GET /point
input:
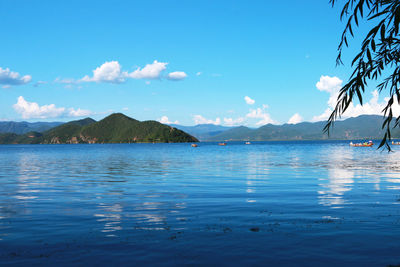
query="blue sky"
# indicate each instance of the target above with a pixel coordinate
(185, 61)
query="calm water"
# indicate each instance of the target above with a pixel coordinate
(293, 204)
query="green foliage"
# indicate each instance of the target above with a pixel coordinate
(380, 51)
(66, 131)
(28, 138)
(116, 128)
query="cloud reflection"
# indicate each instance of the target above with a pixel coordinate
(340, 179)
(257, 169)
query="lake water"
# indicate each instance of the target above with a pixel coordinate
(277, 203)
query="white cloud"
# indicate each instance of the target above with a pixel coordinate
(176, 75)
(199, 73)
(249, 101)
(111, 72)
(329, 84)
(234, 122)
(259, 113)
(165, 120)
(108, 72)
(198, 119)
(332, 85)
(150, 71)
(32, 110)
(78, 112)
(9, 78)
(296, 118)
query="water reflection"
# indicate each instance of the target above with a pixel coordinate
(391, 174)
(28, 179)
(156, 215)
(131, 195)
(340, 178)
(257, 168)
(111, 216)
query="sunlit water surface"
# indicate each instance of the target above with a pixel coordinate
(278, 203)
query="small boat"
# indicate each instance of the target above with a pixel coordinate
(365, 144)
(395, 143)
(222, 144)
(247, 143)
(194, 145)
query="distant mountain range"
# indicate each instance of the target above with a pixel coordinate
(362, 127)
(116, 128)
(25, 127)
(203, 132)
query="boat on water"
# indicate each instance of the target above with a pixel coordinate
(365, 144)
(247, 143)
(194, 145)
(395, 143)
(222, 144)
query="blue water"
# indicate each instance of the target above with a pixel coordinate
(277, 203)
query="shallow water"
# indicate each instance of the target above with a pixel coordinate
(276, 203)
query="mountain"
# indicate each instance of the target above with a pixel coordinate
(116, 128)
(66, 133)
(362, 127)
(202, 131)
(25, 127)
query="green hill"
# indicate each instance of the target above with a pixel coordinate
(116, 128)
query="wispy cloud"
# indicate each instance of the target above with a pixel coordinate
(234, 122)
(10, 78)
(38, 83)
(198, 119)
